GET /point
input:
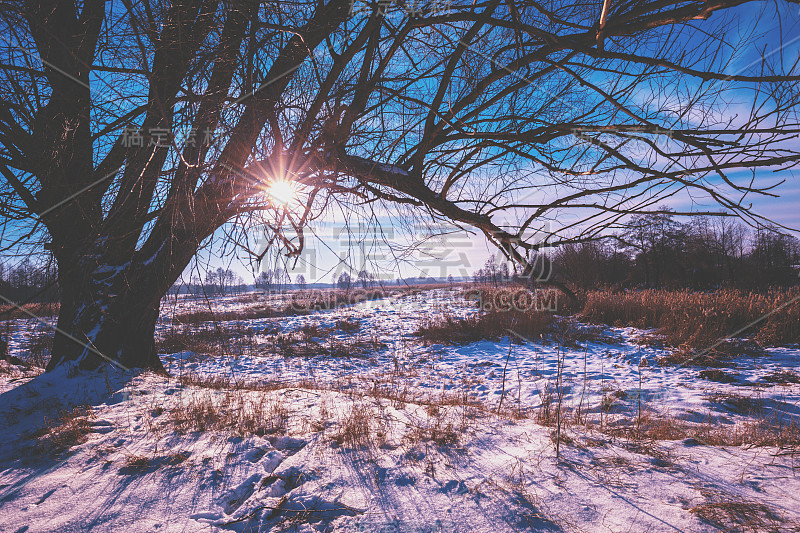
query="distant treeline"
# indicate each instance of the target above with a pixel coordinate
(658, 251)
(28, 282)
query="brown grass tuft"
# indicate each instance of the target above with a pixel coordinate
(732, 513)
(234, 411)
(67, 429)
(348, 326)
(357, 429)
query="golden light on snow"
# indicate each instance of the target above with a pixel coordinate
(281, 192)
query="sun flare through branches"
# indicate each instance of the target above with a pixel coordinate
(282, 192)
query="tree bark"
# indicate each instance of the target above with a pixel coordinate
(109, 319)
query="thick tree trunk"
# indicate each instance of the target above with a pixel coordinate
(109, 316)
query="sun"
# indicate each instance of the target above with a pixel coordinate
(281, 192)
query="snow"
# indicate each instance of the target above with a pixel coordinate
(498, 472)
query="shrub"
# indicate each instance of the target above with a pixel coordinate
(348, 326)
(39, 349)
(356, 429)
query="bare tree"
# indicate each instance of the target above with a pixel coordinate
(344, 281)
(265, 280)
(366, 279)
(132, 131)
(220, 281)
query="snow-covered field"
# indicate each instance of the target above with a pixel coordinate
(401, 435)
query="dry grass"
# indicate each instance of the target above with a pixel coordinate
(491, 325)
(515, 297)
(569, 332)
(221, 383)
(735, 514)
(449, 414)
(715, 374)
(304, 343)
(359, 428)
(716, 355)
(546, 415)
(310, 331)
(442, 427)
(782, 377)
(531, 325)
(610, 398)
(758, 430)
(698, 319)
(375, 390)
(135, 464)
(234, 411)
(45, 309)
(206, 340)
(208, 315)
(348, 326)
(39, 348)
(67, 429)
(140, 464)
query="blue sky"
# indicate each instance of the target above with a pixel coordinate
(460, 254)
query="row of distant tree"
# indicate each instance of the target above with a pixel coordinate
(277, 279)
(226, 282)
(661, 251)
(219, 282)
(28, 281)
(364, 279)
(658, 251)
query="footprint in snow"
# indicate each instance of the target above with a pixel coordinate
(102, 426)
(403, 480)
(459, 487)
(288, 445)
(234, 498)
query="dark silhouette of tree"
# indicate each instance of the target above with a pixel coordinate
(131, 132)
(265, 280)
(344, 281)
(301, 282)
(702, 253)
(366, 279)
(220, 281)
